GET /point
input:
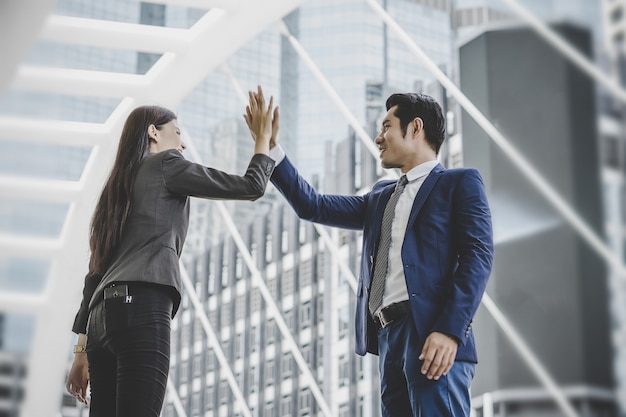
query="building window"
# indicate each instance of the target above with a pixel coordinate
(225, 267)
(343, 410)
(268, 248)
(284, 244)
(184, 370)
(272, 287)
(255, 300)
(289, 321)
(286, 366)
(210, 361)
(617, 15)
(223, 393)
(305, 315)
(304, 403)
(360, 367)
(270, 332)
(254, 378)
(208, 398)
(195, 403)
(253, 338)
(287, 283)
(344, 371)
(306, 273)
(238, 345)
(238, 266)
(253, 251)
(307, 353)
(285, 406)
(240, 307)
(302, 226)
(611, 152)
(344, 322)
(270, 369)
(320, 352)
(197, 365)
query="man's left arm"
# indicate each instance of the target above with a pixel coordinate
(473, 239)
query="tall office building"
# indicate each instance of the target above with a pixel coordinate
(549, 99)
(613, 133)
(605, 21)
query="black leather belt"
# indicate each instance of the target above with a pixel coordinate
(392, 312)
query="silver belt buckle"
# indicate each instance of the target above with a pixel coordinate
(381, 319)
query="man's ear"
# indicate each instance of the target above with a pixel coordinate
(417, 125)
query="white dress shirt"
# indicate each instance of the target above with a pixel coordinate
(395, 285)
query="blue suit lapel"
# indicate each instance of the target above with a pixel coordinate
(383, 199)
(424, 191)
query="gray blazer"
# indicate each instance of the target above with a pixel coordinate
(157, 224)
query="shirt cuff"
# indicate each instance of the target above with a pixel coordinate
(277, 154)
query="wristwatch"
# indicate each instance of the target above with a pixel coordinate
(79, 349)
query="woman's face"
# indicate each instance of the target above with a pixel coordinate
(167, 137)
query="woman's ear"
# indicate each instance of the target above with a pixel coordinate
(152, 133)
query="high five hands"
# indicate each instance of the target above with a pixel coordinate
(261, 121)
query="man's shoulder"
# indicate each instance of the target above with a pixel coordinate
(381, 184)
(460, 172)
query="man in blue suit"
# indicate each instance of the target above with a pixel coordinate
(427, 254)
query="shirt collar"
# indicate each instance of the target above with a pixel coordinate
(421, 170)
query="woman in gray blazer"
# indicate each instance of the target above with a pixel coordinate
(133, 287)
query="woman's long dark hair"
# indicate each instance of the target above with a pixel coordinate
(109, 218)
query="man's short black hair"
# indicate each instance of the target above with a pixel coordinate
(412, 105)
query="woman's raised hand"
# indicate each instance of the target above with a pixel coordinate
(260, 121)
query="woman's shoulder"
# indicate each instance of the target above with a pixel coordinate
(165, 155)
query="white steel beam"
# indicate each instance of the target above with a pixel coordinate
(80, 82)
(39, 190)
(64, 286)
(115, 35)
(53, 131)
(229, 5)
(35, 247)
(20, 22)
(14, 302)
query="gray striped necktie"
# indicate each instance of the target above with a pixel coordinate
(381, 262)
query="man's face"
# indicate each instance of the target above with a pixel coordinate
(396, 150)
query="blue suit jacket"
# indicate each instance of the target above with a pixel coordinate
(447, 250)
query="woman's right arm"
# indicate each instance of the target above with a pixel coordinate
(80, 321)
(78, 378)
